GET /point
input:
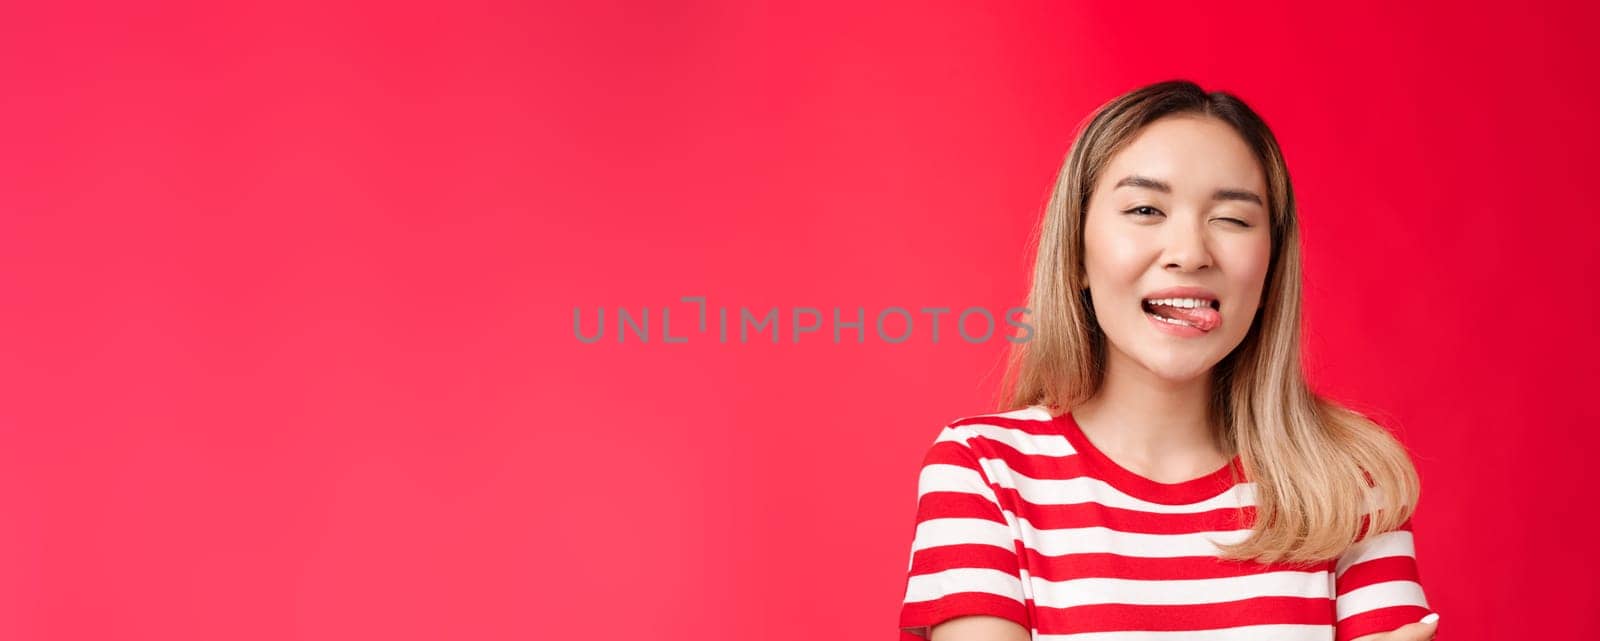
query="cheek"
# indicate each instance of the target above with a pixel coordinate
(1248, 265)
(1113, 257)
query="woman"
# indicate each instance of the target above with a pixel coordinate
(1162, 470)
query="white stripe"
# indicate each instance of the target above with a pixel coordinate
(1096, 591)
(943, 477)
(1104, 540)
(936, 585)
(1036, 444)
(1276, 632)
(1030, 413)
(1064, 541)
(934, 533)
(1087, 489)
(1380, 595)
(1394, 543)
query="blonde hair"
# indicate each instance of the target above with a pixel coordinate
(1316, 464)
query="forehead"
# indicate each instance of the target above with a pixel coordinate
(1194, 154)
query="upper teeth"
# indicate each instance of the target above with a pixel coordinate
(1180, 302)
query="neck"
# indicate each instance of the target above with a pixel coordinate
(1152, 422)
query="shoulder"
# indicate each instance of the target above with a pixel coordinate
(1029, 430)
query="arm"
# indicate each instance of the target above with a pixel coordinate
(1420, 631)
(964, 579)
(979, 628)
(1379, 589)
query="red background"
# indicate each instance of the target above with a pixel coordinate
(288, 292)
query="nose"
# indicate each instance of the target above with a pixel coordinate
(1186, 249)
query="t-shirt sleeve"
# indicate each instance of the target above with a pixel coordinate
(963, 553)
(1378, 586)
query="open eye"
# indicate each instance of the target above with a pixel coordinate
(1143, 210)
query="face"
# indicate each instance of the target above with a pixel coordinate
(1182, 205)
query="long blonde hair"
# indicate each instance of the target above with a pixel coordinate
(1325, 475)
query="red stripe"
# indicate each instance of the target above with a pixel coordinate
(1058, 516)
(1389, 568)
(957, 505)
(1380, 620)
(1116, 617)
(1038, 428)
(1054, 516)
(943, 609)
(1102, 565)
(1044, 466)
(970, 555)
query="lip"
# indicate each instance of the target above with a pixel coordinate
(1179, 292)
(1175, 330)
(1182, 292)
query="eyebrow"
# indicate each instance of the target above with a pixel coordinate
(1221, 194)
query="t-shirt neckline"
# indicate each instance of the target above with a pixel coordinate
(1190, 491)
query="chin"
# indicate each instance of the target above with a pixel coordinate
(1179, 372)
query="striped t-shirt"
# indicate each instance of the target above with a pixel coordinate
(1020, 516)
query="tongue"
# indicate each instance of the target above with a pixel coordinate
(1203, 318)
